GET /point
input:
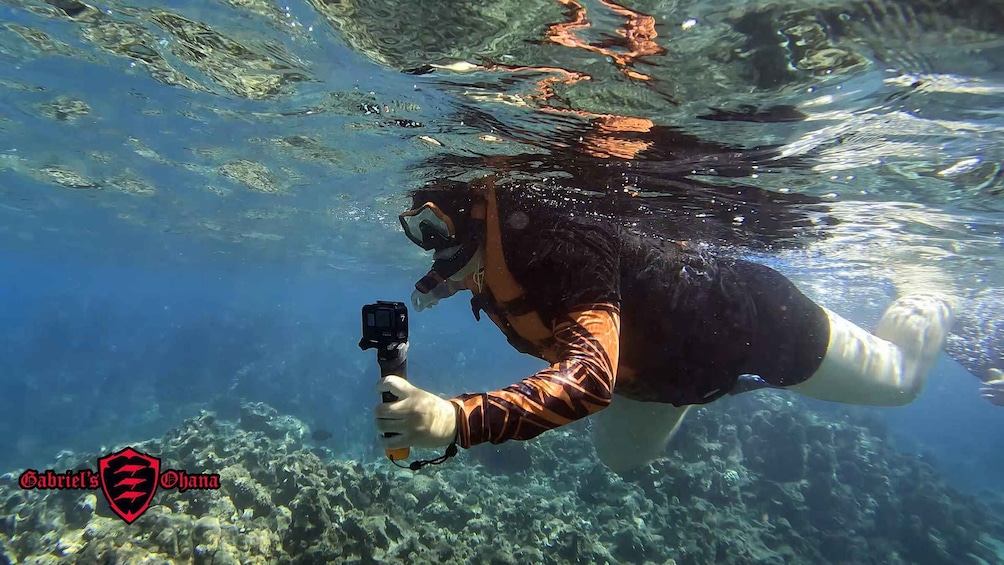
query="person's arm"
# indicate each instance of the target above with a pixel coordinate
(580, 384)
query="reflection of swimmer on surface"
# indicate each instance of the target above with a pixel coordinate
(636, 329)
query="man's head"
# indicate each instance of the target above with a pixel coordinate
(441, 219)
(440, 216)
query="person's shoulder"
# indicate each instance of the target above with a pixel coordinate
(564, 236)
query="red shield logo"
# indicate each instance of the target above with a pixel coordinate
(129, 479)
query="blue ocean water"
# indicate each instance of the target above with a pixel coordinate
(98, 355)
(213, 247)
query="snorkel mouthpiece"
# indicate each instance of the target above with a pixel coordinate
(426, 284)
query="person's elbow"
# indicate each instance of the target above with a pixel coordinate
(594, 380)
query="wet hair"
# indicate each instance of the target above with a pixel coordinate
(453, 197)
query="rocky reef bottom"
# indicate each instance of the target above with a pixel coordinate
(758, 480)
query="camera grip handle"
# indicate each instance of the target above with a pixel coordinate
(397, 366)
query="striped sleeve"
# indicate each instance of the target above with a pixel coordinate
(580, 384)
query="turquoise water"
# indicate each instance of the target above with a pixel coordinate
(197, 197)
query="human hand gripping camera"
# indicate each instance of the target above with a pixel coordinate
(408, 416)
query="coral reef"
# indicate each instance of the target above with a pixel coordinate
(756, 480)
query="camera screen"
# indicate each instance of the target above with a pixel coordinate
(383, 319)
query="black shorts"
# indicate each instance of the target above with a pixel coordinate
(691, 325)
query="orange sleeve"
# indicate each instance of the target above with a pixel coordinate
(580, 384)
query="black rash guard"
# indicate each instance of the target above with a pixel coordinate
(647, 319)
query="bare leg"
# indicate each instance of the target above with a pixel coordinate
(629, 434)
(889, 368)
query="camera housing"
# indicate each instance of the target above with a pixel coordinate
(385, 325)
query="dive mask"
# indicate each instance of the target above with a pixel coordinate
(428, 227)
(455, 239)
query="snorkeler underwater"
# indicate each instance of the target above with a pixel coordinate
(640, 282)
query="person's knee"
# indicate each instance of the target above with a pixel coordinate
(902, 396)
(622, 456)
(615, 461)
(630, 434)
